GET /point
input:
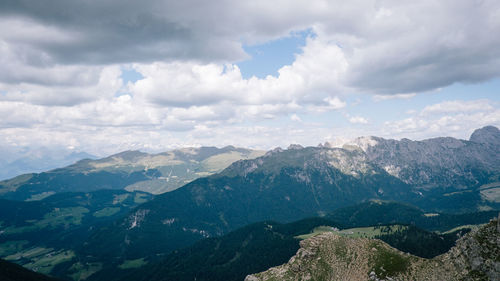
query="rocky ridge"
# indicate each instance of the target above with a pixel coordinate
(437, 162)
(329, 256)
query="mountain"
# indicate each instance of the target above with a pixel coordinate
(378, 212)
(14, 162)
(259, 246)
(486, 135)
(452, 169)
(129, 170)
(252, 248)
(330, 256)
(287, 185)
(281, 186)
(43, 234)
(13, 272)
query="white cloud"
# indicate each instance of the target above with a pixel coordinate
(60, 75)
(378, 98)
(90, 83)
(310, 80)
(358, 120)
(458, 106)
(295, 118)
(448, 118)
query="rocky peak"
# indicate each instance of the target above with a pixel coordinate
(295, 146)
(488, 134)
(364, 142)
(329, 256)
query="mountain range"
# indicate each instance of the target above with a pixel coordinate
(189, 195)
(128, 170)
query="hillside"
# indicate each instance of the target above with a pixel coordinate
(44, 234)
(13, 272)
(329, 256)
(129, 170)
(252, 248)
(377, 212)
(259, 246)
(287, 185)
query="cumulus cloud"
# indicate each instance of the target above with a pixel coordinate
(61, 62)
(388, 47)
(458, 106)
(358, 120)
(378, 98)
(449, 118)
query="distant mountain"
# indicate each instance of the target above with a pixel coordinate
(439, 162)
(282, 186)
(16, 163)
(330, 256)
(13, 272)
(287, 185)
(437, 175)
(129, 170)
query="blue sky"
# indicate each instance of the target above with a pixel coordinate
(114, 76)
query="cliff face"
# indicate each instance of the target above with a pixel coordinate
(329, 256)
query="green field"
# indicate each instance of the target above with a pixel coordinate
(140, 198)
(365, 232)
(63, 216)
(81, 271)
(133, 263)
(316, 231)
(41, 259)
(118, 199)
(371, 231)
(106, 212)
(12, 247)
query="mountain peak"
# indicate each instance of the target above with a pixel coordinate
(488, 134)
(294, 146)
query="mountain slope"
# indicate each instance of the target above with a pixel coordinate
(43, 234)
(13, 272)
(329, 256)
(259, 246)
(129, 170)
(281, 186)
(377, 212)
(252, 248)
(439, 162)
(287, 185)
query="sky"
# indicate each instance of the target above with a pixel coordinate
(111, 75)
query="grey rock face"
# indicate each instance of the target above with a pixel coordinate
(488, 134)
(438, 162)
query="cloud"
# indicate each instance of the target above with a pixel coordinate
(295, 118)
(61, 63)
(388, 47)
(309, 80)
(107, 84)
(458, 106)
(449, 118)
(378, 98)
(358, 120)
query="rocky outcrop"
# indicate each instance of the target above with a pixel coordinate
(488, 134)
(438, 162)
(329, 256)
